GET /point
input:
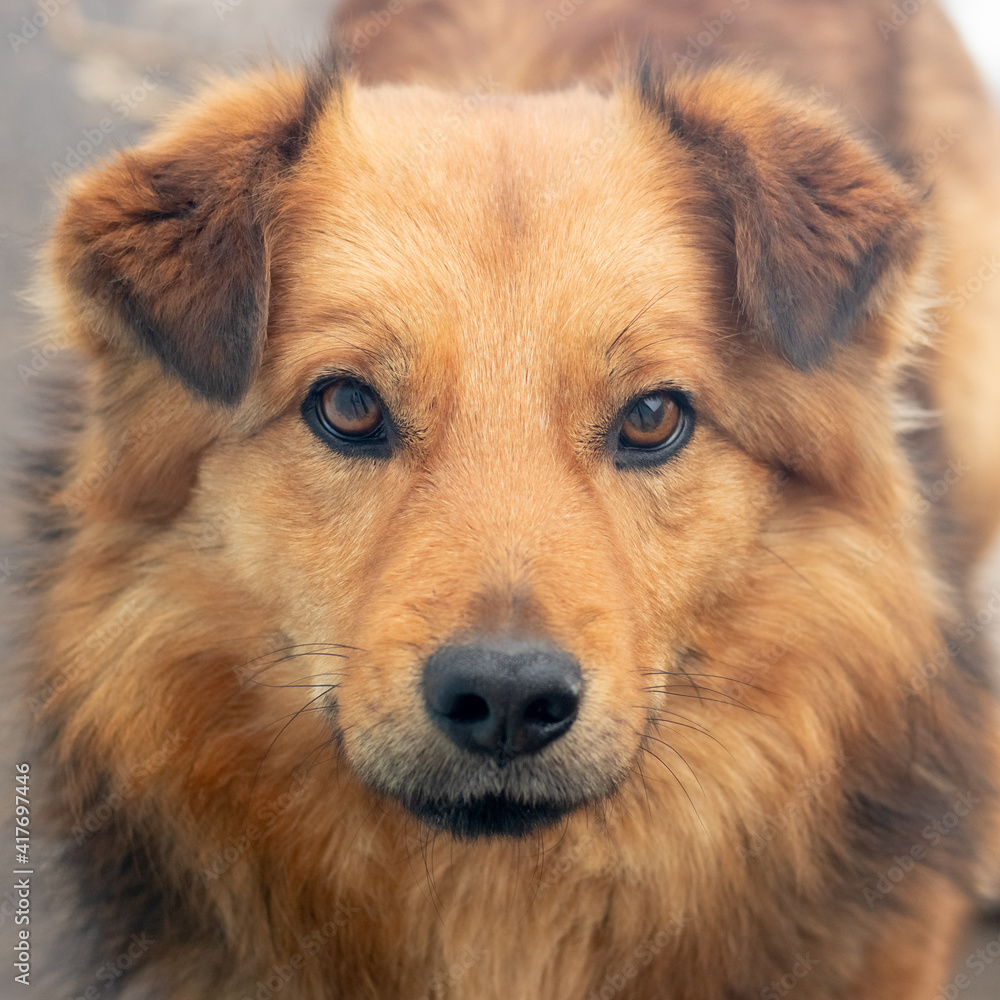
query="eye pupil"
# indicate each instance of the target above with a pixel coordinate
(351, 408)
(648, 414)
(356, 406)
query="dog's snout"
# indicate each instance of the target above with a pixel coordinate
(503, 699)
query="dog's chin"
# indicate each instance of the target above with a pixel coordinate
(472, 797)
(489, 816)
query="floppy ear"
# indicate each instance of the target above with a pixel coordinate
(822, 230)
(164, 250)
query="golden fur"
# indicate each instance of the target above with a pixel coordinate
(783, 698)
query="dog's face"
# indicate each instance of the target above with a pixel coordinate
(510, 402)
(496, 458)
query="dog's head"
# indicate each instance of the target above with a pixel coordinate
(515, 403)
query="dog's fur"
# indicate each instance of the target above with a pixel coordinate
(780, 772)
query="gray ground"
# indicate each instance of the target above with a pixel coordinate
(120, 62)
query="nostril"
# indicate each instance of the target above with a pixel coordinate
(468, 708)
(549, 711)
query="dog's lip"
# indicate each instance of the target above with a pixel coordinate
(489, 816)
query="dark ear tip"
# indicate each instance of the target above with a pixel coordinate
(799, 335)
(806, 355)
(212, 345)
(806, 352)
(222, 381)
(225, 392)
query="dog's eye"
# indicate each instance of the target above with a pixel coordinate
(653, 428)
(351, 409)
(650, 422)
(348, 415)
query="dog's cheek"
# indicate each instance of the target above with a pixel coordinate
(279, 516)
(690, 533)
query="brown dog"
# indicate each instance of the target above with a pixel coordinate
(509, 551)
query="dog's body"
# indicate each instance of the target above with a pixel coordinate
(764, 751)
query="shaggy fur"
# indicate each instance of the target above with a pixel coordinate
(779, 776)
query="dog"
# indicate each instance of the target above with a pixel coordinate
(517, 533)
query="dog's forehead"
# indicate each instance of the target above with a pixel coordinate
(499, 218)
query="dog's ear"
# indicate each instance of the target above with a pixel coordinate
(164, 250)
(822, 230)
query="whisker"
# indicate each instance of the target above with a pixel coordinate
(812, 586)
(326, 744)
(691, 673)
(292, 716)
(686, 721)
(280, 687)
(645, 789)
(283, 659)
(675, 719)
(303, 645)
(697, 729)
(267, 752)
(733, 703)
(678, 780)
(684, 761)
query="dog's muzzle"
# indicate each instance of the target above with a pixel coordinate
(503, 699)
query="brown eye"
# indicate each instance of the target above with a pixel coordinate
(351, 409)
(651, 422)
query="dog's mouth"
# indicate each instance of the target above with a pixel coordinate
(506, 746)
(488, 816)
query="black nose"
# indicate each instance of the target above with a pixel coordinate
(504, 697)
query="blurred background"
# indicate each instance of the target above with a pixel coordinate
(93, 73)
